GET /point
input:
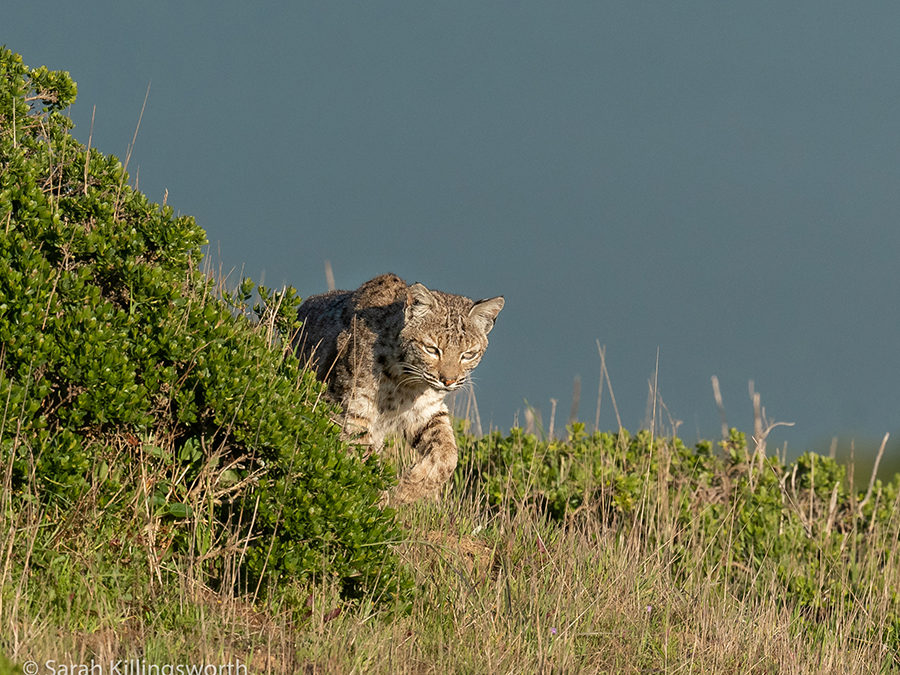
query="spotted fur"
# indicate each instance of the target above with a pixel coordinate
(389, 353)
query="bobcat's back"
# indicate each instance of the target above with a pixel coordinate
(372, 311)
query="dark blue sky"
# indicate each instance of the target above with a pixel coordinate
(717, 181)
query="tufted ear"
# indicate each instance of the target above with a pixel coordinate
(419, 301)
(485, 312)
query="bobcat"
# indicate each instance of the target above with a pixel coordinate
(389, 353)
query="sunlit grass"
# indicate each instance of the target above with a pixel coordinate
(498, 590)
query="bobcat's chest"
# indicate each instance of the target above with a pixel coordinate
(405, 411)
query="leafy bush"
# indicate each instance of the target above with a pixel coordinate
(129, 385)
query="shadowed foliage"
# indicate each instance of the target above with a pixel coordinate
(131, 387)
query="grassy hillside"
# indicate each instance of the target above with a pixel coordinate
(153, 426)
(604, 553)
(173, 492)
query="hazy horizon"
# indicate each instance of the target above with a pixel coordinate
(712, 184)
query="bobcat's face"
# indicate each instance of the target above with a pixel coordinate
(442, 364)
(444, 337)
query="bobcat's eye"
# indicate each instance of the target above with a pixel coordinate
(431, 350)
(468, 356)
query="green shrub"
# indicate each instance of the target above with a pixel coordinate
(7, 667)
(793, 534)
(127, 378)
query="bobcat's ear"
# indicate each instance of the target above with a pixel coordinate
(485, 312)
(419, 301)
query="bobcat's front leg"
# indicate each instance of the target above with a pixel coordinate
(356, 423)
(434, 441)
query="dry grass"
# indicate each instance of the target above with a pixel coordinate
(498, 593)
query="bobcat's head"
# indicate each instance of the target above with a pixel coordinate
(444, 336)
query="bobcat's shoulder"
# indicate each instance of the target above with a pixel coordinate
(382, 291)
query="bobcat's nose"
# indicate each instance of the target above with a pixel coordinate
(448, 381)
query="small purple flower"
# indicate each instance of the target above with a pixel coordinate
(552, 631)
